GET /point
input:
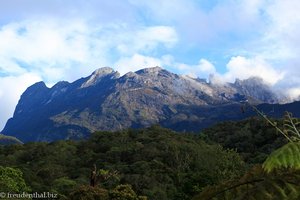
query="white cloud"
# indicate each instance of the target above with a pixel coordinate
(69, 49)
(136, 62)
(279, 43)
(243, 68)
(206, 67)
(280, 40)
(285, 16)
(65, 41)
(47, 46)
(11, 88)
(203, 69)
(207, 26)
(54, 48)
(146, 39)
(264, 32)
(294, 93)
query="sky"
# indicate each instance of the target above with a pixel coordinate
(55, 40)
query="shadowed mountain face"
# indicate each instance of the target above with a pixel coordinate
(106, 101)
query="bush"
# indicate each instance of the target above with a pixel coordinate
(89, 193)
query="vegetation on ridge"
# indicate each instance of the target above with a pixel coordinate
(5, 140)
(277, 178)
(231, 160)
(156, 162)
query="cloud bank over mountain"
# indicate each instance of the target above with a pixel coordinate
(55, 40)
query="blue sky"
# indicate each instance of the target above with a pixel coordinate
(53, 40)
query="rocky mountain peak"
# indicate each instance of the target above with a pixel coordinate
(35, 88)
(38, 85)
(60, 84)
(105, 101)
(98, 74)
(103, 71)
(254, 80)
(130, 75)
(151, 70)
(257, 89)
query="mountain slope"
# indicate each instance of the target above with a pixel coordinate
(7, 140)
(106, 101)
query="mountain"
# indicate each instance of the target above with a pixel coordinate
(254, 87)
(107, 101)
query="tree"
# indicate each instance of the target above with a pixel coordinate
(124, 192)
(11, 180)
(89, 193)
(63, 186)
(278, 177)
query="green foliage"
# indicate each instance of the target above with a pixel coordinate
(283, 171)
(256, 184)
(108, 179)
(124, 192)
(158, 163)
(291, 127)
(63, 186)
(254, 139)
(287, 156)
(89, 193)
(121, 192)
(11, 180)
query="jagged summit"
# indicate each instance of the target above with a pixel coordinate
(95, 77)
(35, 88)
(60, 84)
(103, 71)
(251, 80)
(257, 89)
(40, 84)
(106, 101)
(155, 70)
(129, 74)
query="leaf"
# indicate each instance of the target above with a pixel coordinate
(287, 156)
(256, 184)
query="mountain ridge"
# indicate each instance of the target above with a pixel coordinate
(107, 101)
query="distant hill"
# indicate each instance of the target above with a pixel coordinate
(107, 101)
(6, 140)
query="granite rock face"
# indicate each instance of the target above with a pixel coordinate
(106, 101)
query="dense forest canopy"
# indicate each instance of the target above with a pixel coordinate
(152, 163)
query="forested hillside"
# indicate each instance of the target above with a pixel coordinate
(156, 162)
(254, 139)
(153, 163)
(272, 156)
